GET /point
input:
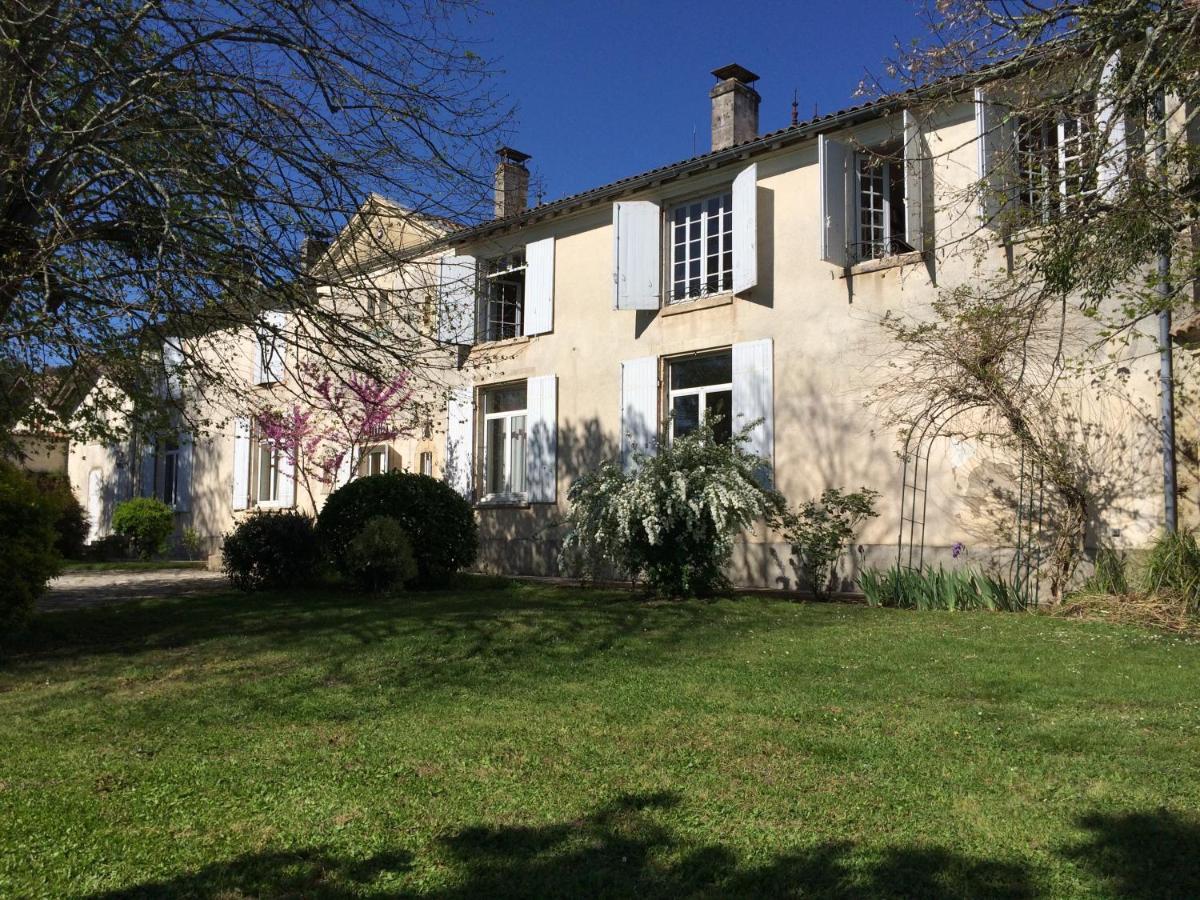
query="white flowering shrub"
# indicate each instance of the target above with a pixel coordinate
(672, 522)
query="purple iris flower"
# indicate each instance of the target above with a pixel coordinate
(958, 549)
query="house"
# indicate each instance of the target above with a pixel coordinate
(742, 286)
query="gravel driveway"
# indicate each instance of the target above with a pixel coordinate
(79, 589)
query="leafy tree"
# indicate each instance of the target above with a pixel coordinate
(168, 168)
(820, 530)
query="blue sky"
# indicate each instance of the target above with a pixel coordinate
(609, 89)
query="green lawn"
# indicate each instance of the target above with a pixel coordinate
(132, 565)
(534, 741)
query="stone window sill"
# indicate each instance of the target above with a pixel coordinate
(687, 306)
(506, 342)
(888, 262)
(503, 502)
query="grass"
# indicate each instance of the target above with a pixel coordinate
(132, 565)
(532, 741)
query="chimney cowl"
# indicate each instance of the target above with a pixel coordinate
(734, 106)
(511, 194)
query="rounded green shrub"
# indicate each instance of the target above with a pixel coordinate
(270, 550)
(147, 522)
(380, 556)
(440, 523)
(28, 557)
(70, 520)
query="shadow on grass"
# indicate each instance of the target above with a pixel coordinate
(624, 850)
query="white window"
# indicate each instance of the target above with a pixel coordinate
(1052, 166)
(169, 481)
(268, 473)
(377, 461)
(879, 189)
(427, 463)
(269, 349)
(701, 247)
(700, 390)
(504, 440)
(504, 297)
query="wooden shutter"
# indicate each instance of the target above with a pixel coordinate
(172, 364)
(996, 146)
(539, 286)
(636, 254)
(918, 184)
(460, 415)
(149, 465)
(183, 474)
(1113, 128)
(287, 478)
(456, 300)
(745, 229)
(834, 160)
(274, 366)
(754, 397)
(241, 463)
(541, 454)
(639, 408)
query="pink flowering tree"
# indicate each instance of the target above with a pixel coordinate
(339, 416)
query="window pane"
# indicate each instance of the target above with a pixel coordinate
(700, 371)
(495, 475)
(718, 412)
(686, 412)
(264, 473)
(505, 399)
(517, 437)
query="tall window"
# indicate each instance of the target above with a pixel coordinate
(702, 247)
(268, 473)
(880, 192)
(377, 461)
(504, 412)
(504, 297)
(169, 453)
(427, 463)
(700, 389)
(1053, 171)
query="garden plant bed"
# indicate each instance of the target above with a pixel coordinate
(529, 739)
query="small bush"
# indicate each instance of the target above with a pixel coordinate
(109, 548)
(70, 521)
(440, 524)
(192, 542)
(673, 521)
(271, 550)
(820, 531)
(147, 522)
(28, 557)
(380, 556)
(1173, 568)
(929, 588)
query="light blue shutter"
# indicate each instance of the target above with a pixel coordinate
(834, 159)
(149, 463)
(541, 456)
(460, 414)
(241, 463)
(287, 479)
(172, 364)
(456, 300)
(1113, 128)
(539, 286)
(636, 254)
(745, 229)
(274, 367)
(996, 146)
(754, 396)
(917, 182)
(183, 473)
(639, 408)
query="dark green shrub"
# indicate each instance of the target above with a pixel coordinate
(820, 530)
(440, 524)
(945, 589)
(108, 548)
(147, 522)
(270, 550)
(28, 557)
(70, 520)
(380, 555)
(1173, 568)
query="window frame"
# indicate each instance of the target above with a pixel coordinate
(670, 393)
(891, 164)
(722, 193)
(512, 262)
(377, 450)
(426, 462)
(1052, 184)
(274, 501)
(510, 494)
(169, 454)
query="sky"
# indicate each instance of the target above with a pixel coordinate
(605, 90)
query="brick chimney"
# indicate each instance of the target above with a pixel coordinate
(512, 182)
(734, 107)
